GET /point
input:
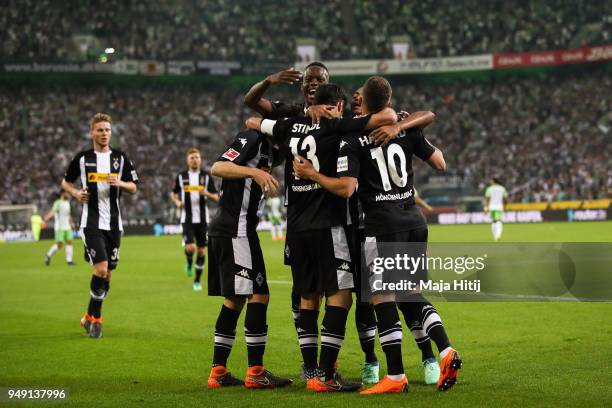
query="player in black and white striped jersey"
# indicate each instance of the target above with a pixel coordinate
(192, 189)
(103, 173)
(236, 267)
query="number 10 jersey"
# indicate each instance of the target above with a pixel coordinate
(385, 179)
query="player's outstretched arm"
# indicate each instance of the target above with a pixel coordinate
(340, 186)
(254, 98)
(436, 160)
(226, 169)
(387, 116)
(384, 134)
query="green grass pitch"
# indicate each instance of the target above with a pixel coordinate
(158, 335)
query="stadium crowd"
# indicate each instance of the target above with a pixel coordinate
(229, 30)
(545, 138)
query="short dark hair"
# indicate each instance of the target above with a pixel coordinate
(329, 94)
(317, 64)
(495, 180)
(376, 93)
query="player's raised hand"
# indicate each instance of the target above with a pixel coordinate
(266, 181)
(384, 134)
(316, 112)
(82, 196)
(288, 76)
(303, 168)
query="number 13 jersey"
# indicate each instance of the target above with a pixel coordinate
(309, 206)
(385, 179)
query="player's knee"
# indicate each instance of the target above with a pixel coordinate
(341, 298)
(260, 298)
(235, 302)
(311, 301)
(190, 248)
(201, 251)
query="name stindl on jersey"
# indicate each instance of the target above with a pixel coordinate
(192, 188)
(100, 177)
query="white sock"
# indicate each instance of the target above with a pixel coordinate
(497, 227)
(444, 352)
(396, 377)
(52, 250)
(68, 253)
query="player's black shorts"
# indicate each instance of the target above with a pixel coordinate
(195, 232)
(356, 237)
(102, 245)
(236, 267)
(320, 260)
(417, 236)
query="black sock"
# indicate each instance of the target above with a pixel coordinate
(308, 337)
(333, 329)
(199, 267)
(256, 332)
(295, 309)
(390, 334)
(225, 333)
(430, 321)
(189, 257)
(365, 320)
(420, 336)
(97, 293)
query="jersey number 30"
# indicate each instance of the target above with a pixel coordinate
(388, 168)
(309, 145)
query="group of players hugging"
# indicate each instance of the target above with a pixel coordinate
(348, 180)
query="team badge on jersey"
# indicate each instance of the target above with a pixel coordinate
(116, 163)
(231, 154)
(342, 164)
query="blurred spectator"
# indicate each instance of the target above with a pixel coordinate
(264, 31)
(538, 135)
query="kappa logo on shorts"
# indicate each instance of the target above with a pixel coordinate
(344, 266)
(259, 279)
(243, 273)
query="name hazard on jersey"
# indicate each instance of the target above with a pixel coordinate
(100, 177)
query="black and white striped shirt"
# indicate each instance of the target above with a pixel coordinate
(92, 169)
(242, 201)
(187, 186)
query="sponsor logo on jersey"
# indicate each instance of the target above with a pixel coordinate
(189, 188)
(99, 177)
(230, 154)
(342, 164)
